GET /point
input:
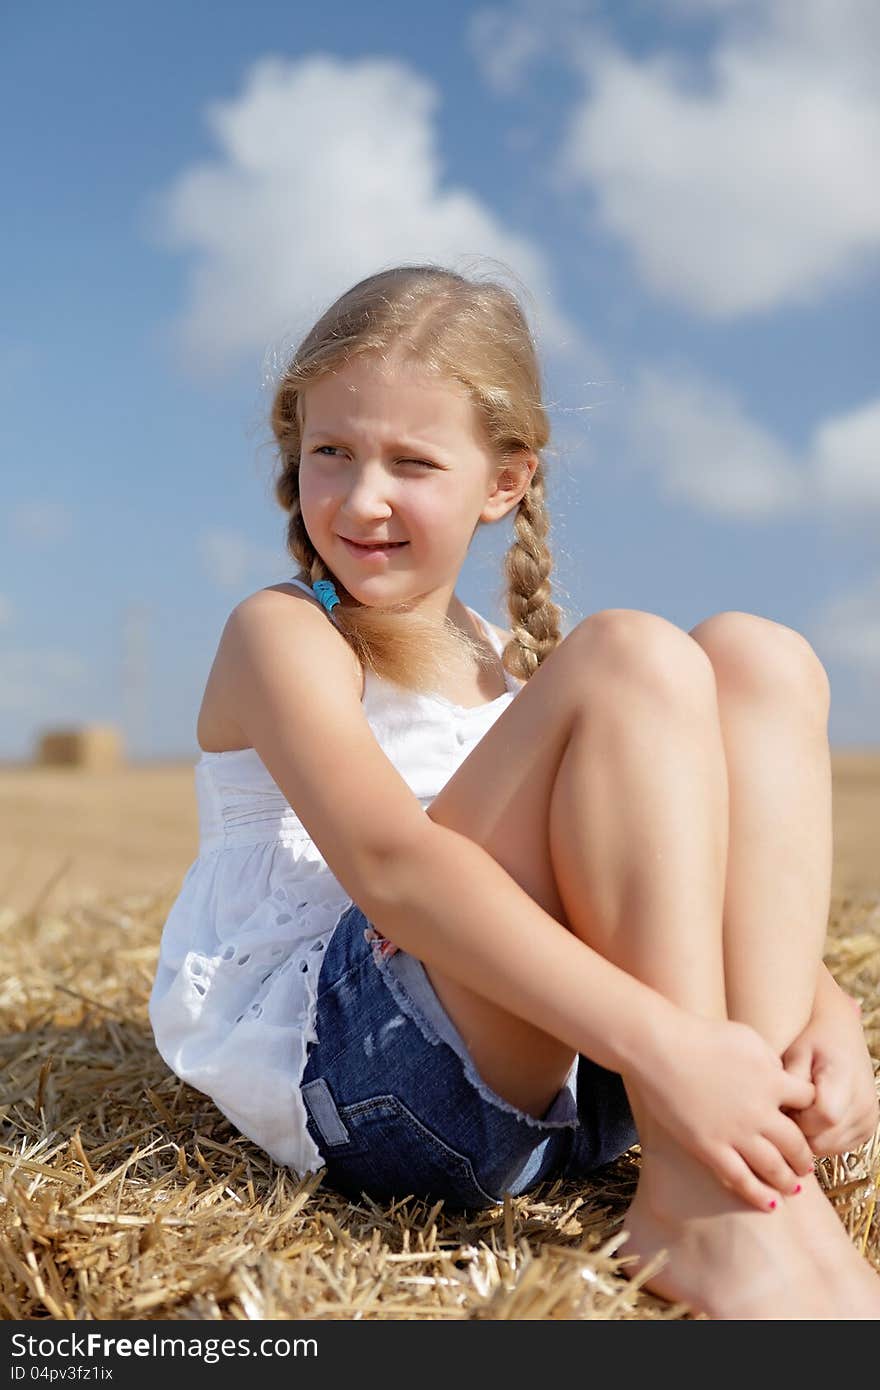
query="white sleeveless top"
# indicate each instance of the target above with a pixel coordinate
(233, 1002)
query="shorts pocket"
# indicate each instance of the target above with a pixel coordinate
(392, 1154)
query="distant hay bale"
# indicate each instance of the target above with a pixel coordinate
(97, 747)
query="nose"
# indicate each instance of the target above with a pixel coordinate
(367, 497)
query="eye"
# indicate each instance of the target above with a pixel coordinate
(423, 463)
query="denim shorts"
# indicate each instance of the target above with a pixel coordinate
(397, 1107)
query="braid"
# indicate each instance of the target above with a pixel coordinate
(527, 565)
(298, 541)
(287, 424)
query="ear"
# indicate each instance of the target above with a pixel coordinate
(510, 484)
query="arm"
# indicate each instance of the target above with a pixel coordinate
(433, 904)
(425, 886)
(714, 1086)
(829, 993)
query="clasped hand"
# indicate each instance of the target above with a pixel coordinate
(832, 1053)
(755, 1119)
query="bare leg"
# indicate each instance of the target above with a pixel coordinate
(639, 839)
(773, 712)
(773, 703)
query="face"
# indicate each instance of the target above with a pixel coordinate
(391, 454)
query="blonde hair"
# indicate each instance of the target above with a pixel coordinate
(466, 331)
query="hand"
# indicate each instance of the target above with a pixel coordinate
(832, 1053)
(717, 1088)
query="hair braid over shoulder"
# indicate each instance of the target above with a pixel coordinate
(535, 617)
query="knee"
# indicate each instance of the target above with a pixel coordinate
(649, 653)
(759, 658)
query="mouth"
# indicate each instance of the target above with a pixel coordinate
(382, 548)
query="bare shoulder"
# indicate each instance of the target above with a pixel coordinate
(272, 619)
(289, 609)
(290, 683)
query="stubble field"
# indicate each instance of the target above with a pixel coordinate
(126, 1194)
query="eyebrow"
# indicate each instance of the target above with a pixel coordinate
(396, 446)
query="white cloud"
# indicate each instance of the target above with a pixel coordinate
(847, 629)
(505, 44)
(507, 40)
(746, 182)
(42, 523)
(699, 440)
(846, 458)
(703, 447)
(329, 171)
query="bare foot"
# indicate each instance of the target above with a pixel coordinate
(725, 1258)
(844, 1268)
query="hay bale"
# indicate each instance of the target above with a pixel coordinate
(97, 747)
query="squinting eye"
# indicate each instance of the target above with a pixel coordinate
(332, 447)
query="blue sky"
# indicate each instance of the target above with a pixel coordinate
(686, 191)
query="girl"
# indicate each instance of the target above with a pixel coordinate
(477, 909)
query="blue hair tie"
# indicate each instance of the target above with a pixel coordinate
(325, 590)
